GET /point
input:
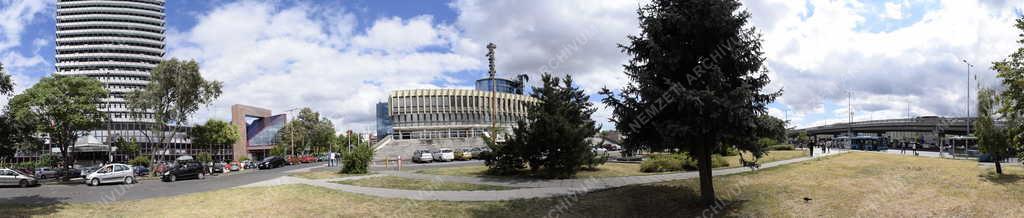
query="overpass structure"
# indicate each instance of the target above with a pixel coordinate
(927, 124)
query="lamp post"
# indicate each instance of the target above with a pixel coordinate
(968, 118)
(291, 131)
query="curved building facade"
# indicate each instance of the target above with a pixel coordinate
(451, 113)
(118, 42)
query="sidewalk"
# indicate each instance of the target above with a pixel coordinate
(529, 188)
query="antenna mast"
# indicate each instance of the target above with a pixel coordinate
(491, 72)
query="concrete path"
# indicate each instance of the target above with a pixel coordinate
(528, 188)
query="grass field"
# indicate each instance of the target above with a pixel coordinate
(418, 184)
(323, 175)
(858, 184)
(612, 169)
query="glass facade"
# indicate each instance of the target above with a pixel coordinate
(383, 120)
(501, 85)
(263, 131)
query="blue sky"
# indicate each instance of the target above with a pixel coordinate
(341, 57)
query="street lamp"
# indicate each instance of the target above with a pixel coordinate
(292, 132)
(968, 118)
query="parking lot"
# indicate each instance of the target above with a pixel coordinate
(79, 192)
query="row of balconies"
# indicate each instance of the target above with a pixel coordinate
(145, 5)
(111, 39)
(73, 64)
(109, 32)
(110, 10)
(103, 72)
(109, 47)
(129, 57)
(113, 24)
(112, 18)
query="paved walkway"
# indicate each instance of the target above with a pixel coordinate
(528, 188)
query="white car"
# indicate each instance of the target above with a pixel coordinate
(111, 173)
(422, 156)
(445, 154)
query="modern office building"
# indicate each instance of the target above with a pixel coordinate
(260, 129)
(452, 113)
(118, 42)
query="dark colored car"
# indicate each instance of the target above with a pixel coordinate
(190, 169)
(140, 170)
(46, 172)
(272, 162)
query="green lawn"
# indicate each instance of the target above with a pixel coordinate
(418, 184)
(323, 175)
(858, 184)
(611, 169)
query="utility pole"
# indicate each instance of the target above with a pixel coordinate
(968, 118)
(491, 72)
(849, 125)
(291, 131)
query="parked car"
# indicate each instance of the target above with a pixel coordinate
(46, 172)
(271, 162)
(218, 167)
(140, 170)
(422, 156)
(292, 160)
(184, 169)
(85, 171)
(444, 154)
(248, 164)
(307, 159)
(14, 177)
(234, 166)
(463, 154)
(600, 150)
(111, 173)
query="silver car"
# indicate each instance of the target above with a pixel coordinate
(111, 173)
(13, 177)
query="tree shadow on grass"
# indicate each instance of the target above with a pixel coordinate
(1004, 179)
(628, 201)
(29, 206)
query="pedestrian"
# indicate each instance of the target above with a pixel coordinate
(915, 149)
(903, 148)
(330, 162)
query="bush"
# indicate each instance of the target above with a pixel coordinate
(677, 162)
(243, 159)
(595, 159)
(780, 147)
(204, 157)
(727, 151)
(357, 159)
(666, 163)
(139, 161)
(27, 165)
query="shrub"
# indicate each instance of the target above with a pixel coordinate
(727, 151)
(357, 159)
(243, 159)
(27, 165)
(47, 160)
(595, 159)
(139, 161)
(780, 147)
(677, 162)
(204, 157)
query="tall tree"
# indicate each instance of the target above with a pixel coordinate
(176, 91)
(214, 133)
(1011, 71)
(992, 139)
(309, 132)
(696, 81)
(6, 85)
(62, 107)
(553, 137)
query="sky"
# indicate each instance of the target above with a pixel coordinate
(883, 59)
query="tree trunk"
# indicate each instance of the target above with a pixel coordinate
(999, 167)
(707, 189)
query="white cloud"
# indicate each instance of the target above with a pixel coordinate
(282, 58)
(893, 11)
(819, 50)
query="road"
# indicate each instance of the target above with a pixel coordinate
(80, 193)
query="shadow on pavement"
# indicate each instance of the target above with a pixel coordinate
(28, 206)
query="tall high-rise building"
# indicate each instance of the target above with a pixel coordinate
(118, 42)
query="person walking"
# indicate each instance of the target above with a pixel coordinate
(903, 148)
(330, 159)
(915, 149)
